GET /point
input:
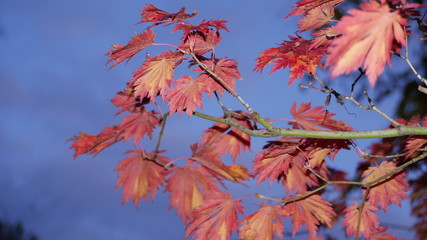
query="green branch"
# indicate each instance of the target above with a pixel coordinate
(272, 131)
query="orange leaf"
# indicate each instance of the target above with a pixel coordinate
(189, 186)
(227, 139)
(139, 176)
(119, 53)
(150, 13)
(209, 159)
(138, 124)
(296, 54)
(94, 144)
(368, 38)
(262, 224)
(315, 119)
(306, 6)
(316, 18)
(369, 221)
(155, 75)
(215, 219)
(186, 96)
(391, 190)
(311, 211)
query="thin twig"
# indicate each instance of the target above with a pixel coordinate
(352, 99)
(159, 140)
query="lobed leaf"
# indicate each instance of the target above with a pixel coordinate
(189, 186)
(155, 75)
(311, 212)
(150, 13)
(391, 190)
(264, 223)
(120, 53)
(139, 176)
(369, 221)
(215, 219)
(368, 37)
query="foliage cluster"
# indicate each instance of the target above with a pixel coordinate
(363, 40)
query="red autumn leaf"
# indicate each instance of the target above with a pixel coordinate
(414, 143)
(379, 234)
(215, 219)
(369, 221)
(125, 100)
(311, 212)
(139, 176)
(316, 18)
(119, 53)
(275, 160)
(150, 13)
(224, 68)
(305, 6)
(324, 37)
(284, 160)
(155, 75)
(226, 139)
(296, 54)
(264, 223)
(200, 43)
(368, 36)
(94, 144)
(210, 159)
(391, 190)
(315, 119)
(202, 28)
(138, 124)
(185, 96)
(188, 187)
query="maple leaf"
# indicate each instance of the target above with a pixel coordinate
(215, 219)
(224, 68)
(306, 6)
(284, 160)
(324, 37)
(228, 139)
(94, 144)
(311, 211)
(150, 13)
(369, 221)
(139, 176)
(202, 28)
(185, 96)
(155, 75)
(200, 43)
(119, 53)
(206, 155)
(391, 190)
(189, 186)
(138, 124)
(315, 119)
(316, 18)
(275, 160)
(263, 224)
(367, 37)
(414, 143)
(378, 234)
(296, 54)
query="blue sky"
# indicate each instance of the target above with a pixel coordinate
(54, 83)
